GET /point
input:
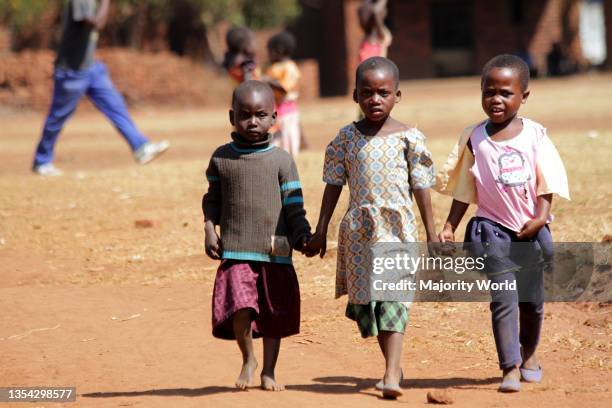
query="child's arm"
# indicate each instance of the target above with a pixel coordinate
(455, 215)
(532, 226)
(423, 200)
(293, 205)
(335, 176)
(211, 207)
(212, 242)
(318, 242)
(379, 9)
(99, 20)
(421, 179)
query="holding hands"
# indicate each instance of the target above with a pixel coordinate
(317, 245)
(303, 245)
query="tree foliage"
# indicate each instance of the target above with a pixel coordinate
(253, 13)
(23, 13)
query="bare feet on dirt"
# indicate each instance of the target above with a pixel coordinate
(246, 374)
(268, 383)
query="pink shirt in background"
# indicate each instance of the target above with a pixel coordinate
(506, 173)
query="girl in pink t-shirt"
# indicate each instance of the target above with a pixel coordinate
(508, 166)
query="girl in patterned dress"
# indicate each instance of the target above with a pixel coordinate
(384, 162)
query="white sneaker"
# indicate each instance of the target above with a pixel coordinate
(47, 170)
(150, 150)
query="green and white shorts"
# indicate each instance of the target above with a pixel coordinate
(378, 316)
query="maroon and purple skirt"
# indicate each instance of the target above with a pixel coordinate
(270, 290)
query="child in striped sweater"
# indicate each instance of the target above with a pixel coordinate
(255, 197)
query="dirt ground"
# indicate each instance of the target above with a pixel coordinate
(122, 313)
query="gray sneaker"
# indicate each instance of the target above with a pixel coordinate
(47, 170)
(150, 150)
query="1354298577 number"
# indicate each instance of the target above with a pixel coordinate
(35, 394)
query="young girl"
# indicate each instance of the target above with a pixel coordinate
(239, 59)
(508, 166)
(377, 37)
(255, 197)
(283, 75)
(384, 163)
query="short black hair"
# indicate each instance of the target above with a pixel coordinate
(508, 61)
(377, 63)
(282, 43)
(236, 37)
(252, 86)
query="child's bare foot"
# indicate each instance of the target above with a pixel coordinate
(268, 383)
(246, 374)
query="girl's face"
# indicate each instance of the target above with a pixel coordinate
(502, 95)
(376, 94)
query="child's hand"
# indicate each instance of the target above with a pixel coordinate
(447, 234)
(302, 246)
(317, 244)
(531, 228)
(433, 245)
(212, 242)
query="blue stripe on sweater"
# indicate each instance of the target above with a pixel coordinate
(241, 150)
(212, 178)
(256, 256)
(293, 200)
(290, 185)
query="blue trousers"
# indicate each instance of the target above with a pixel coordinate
(516, 316)
(69, 86)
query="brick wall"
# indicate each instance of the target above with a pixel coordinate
(497, 32)
(411, 47)
(498, 27)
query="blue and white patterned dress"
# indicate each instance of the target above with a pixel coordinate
(381, 172)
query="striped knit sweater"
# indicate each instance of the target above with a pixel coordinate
(255, 196)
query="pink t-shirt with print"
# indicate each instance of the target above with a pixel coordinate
(506, 173)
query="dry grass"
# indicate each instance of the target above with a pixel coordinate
(80, 228)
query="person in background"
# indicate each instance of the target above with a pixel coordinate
(283, 76)
(377, 37)
(78, 73)
(239, 59)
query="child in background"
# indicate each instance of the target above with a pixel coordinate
(255, 197)
(384, 163)
(239, 60)
(283, 75)
(508, 166)
(377, 37)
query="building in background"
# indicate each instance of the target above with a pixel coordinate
(438, 38)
